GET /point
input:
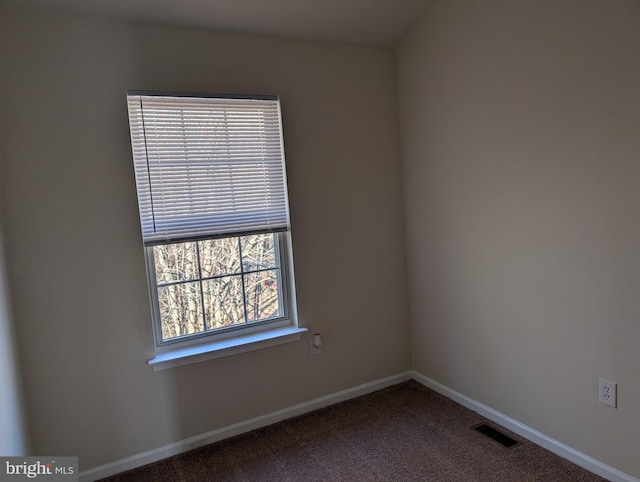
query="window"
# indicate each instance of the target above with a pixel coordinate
(211, 183)
(212, 284)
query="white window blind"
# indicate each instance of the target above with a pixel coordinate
(207, 166)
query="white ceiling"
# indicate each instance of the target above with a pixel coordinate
(378, 22)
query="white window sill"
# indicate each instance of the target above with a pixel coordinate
(230, 346)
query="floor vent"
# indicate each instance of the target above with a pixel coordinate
(496, 435)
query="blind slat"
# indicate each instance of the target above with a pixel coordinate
(207, 166)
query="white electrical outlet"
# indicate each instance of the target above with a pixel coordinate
(315, 345)
(607, 392)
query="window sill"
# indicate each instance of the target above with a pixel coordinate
(230, 346)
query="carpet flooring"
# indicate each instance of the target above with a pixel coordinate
(405, 432)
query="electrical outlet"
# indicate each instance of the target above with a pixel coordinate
(313, 349)
(607, 392)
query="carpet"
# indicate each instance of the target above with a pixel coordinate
(405, 432)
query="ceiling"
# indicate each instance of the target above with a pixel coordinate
(377, 22)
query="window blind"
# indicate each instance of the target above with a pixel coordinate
(207, 166)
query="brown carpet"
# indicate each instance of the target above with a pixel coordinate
(404, 432)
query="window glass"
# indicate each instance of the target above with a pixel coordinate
(213, 284)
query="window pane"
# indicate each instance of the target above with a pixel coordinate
(219, 256)
(180, 309)
(258, 252)
(223, 303)
(175, 262)
(262, 295)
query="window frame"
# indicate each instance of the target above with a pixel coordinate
(224, 341)
(286, 295)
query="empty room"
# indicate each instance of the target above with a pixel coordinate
(304, 240)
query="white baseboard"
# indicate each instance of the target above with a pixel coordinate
(558, 448)
(200, 440)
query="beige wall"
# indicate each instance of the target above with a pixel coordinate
(12, 432)
(520, 131)
(73, 241)
(12, 421)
